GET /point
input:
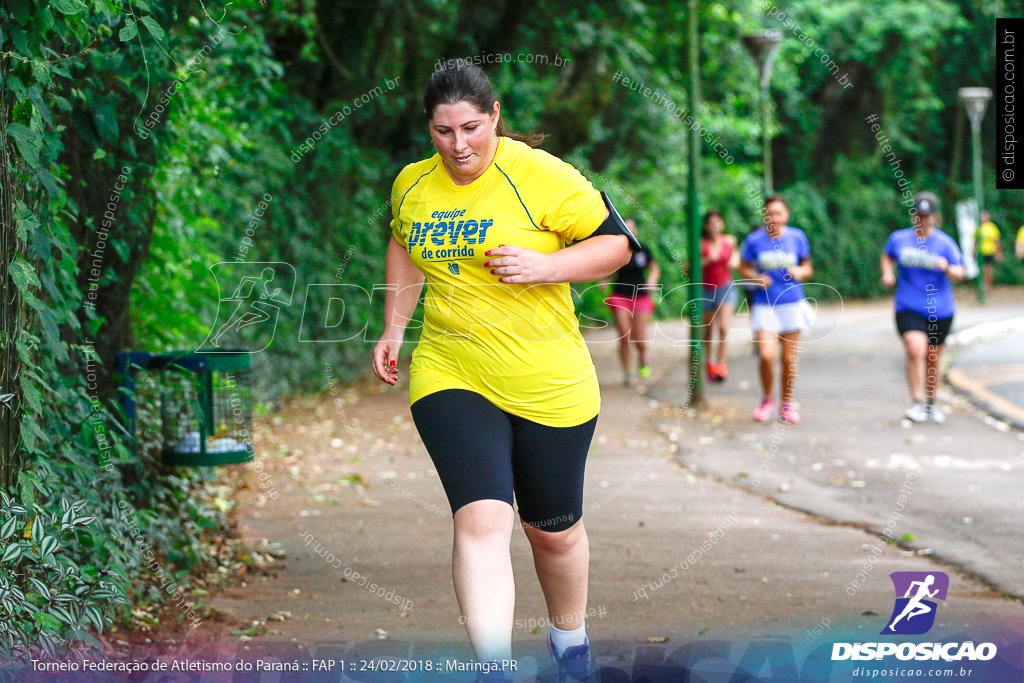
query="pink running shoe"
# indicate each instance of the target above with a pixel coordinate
(763, 412)
(787, 414)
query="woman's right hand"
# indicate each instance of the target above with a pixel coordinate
(888, 279)
(385, 358)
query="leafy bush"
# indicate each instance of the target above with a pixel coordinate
(46, 597)
(70, 78)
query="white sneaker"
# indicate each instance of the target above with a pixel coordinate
(916, 413)
(935, 413)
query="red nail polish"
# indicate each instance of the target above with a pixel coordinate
(492, 271)
(393, 363)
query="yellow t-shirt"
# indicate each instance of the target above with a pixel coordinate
(1020, 235)
(988, 233)
(519, 345)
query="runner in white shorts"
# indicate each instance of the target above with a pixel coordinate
(777, 258)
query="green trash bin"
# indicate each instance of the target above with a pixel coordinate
(206, 407)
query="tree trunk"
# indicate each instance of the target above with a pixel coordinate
(10, 303)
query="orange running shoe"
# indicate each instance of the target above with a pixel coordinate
(721, 371)
(713, 372)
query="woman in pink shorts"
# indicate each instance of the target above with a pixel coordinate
(632, 306)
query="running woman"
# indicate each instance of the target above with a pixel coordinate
(502, 387)
(777, 258)
(987, 245)
(631, 304)
(719, 256)
(928, 260)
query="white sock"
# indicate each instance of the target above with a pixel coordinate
(561, 640)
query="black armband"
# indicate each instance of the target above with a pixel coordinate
(614, 225)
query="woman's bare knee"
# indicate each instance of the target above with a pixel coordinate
(555, 541)
(483, 519)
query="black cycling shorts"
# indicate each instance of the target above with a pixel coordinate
(937, 330)
(483, 452)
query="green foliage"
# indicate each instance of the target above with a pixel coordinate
(69, 81)
(47, 598)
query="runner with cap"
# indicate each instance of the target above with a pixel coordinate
(928, 262)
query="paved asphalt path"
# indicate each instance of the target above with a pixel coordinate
(850, 457)
(663, 478)
(990, 370)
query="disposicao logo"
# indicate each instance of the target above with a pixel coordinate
(914, 614)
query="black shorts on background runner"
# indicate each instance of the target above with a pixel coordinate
(937, 330)
(481, 451)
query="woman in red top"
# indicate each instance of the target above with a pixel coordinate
(719, 255)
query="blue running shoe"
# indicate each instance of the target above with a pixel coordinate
(574, 664)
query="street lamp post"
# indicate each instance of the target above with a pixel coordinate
(763, 46)
(975, 99)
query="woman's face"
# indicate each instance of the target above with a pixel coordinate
(925, 220)
(777, 214)
(464, 137)
(715, 226)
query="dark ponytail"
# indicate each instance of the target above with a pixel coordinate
(468, 83)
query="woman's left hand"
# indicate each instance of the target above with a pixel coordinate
(514, 264)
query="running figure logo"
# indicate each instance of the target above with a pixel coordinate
(258, 292)
(914, 613)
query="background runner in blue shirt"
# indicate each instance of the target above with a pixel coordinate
(928, 260)
(777, 258)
